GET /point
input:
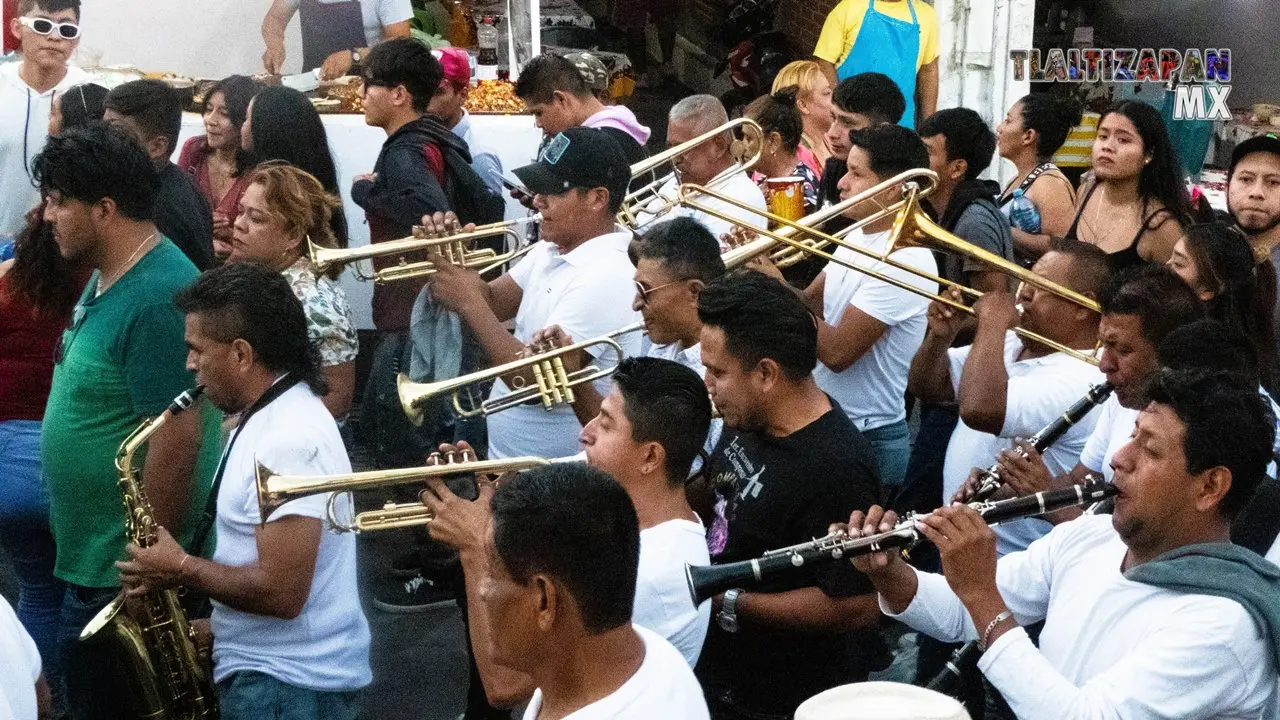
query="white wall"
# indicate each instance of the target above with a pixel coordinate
(976, 37)
(196, 38)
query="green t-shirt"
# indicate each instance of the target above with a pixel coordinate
(122, 360)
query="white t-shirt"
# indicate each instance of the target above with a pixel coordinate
(737, 186)
(662, 600)
(871, 390)
(1111, 647)
(664, 687)
(1039, 391)
(24, 128)
(20, 667)
(1114, 428)
(588, 293)
(690, 357)
(326, 647)
(377, 14)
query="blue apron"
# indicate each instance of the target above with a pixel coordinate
(890, 46)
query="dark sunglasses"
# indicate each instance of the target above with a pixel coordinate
(45, 26)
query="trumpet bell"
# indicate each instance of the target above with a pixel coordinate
(551, 384)
(455, 248)
(274, 490)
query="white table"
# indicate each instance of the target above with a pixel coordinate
(355, 147)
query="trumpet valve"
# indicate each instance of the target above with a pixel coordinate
(560, 379)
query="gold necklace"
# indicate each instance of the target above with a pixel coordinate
(102, 286)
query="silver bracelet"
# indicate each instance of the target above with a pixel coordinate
(982, 644)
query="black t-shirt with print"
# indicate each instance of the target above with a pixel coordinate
(783, 491)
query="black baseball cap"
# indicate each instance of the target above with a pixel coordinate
(579, 158)
(1268, 143)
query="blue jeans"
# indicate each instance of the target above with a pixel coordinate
(892, 445)
(96, 680)
(257, 696)
(27, 540)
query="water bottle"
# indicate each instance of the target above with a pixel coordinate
(487, 38)
(1023, 213)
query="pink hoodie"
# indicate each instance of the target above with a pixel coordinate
(619, 117)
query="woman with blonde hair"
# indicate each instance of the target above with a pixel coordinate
(814, 103)
(282, 209)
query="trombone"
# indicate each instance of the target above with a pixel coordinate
(790, 253)
(649, 200)
(552, 384)
(911, 228)
(456, 248)
(275, 490)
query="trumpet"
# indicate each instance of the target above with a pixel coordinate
(649, 200)
(456, 248)
(707, 581)
(552, 384)
(275, 490)
(911, 228)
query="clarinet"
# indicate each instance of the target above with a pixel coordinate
(989, 480)
(947, 680)
(707, 581)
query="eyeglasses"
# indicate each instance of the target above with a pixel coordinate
(45, 26)
(645, 292)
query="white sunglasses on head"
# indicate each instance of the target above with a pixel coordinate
(45, 26)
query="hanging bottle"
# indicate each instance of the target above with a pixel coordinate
(487, 38)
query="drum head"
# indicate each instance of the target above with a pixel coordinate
(880, 701)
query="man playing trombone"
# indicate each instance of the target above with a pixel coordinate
(710, 164)
(287, 624)
(1006, 386)
(868, 328)
(579, 278)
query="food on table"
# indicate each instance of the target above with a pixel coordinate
(494, 96)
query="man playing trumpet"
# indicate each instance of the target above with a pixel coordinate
(579, 279)
(646, 436)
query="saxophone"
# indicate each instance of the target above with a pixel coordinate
(168, 679)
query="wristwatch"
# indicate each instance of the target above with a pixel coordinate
(355, 57)
(727, 619)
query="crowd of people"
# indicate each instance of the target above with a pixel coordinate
(761, 406)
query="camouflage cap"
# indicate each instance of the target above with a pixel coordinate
(592, 69)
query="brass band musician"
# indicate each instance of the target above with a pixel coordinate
(288, 630)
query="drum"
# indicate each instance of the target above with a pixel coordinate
(785, 196)
(880, 701)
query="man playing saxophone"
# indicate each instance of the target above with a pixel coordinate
(288, 629)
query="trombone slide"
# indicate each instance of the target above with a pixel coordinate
(909, 221)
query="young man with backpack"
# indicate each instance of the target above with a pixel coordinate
(423, 168)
